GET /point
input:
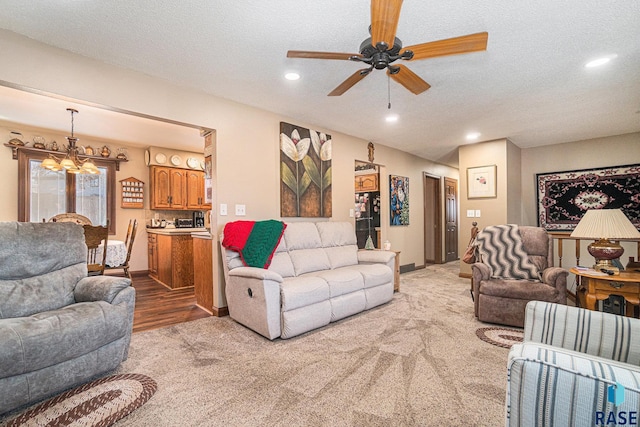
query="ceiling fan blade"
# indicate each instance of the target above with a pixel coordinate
(350, 82)
(453, 46)
(384, 21)
(410, 80)
(320, 55)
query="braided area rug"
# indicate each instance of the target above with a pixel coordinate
(99, 403)
(502, 337)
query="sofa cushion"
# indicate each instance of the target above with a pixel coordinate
(342, 256)
(281, 264)
(31, 295)
(342, 281)
(35, 242)
(46, 339)
(309, 260)
(374, 274)
(336, 234)
(302, 235)
(296, 292)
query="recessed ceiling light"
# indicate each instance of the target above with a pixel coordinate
(600, 61)
(391, 118)
(292, 76)
(472, 136)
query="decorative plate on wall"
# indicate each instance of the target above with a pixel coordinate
(161, 158)
(192, 163)
(176, 160)
(147, 157)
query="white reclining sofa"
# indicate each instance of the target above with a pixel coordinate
(316, 276)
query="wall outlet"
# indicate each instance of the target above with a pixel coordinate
(477, 213)
(470, 213)
(241, 210)
(156, 215)
(223, 209)
(351, 213)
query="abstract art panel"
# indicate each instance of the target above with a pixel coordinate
(564, 197)
(399, 199)
(305, 172)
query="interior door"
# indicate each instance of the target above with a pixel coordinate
(451, 219)
(432, 220)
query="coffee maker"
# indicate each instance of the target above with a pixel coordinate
(198, 219)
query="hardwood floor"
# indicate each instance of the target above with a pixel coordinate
(158, 306)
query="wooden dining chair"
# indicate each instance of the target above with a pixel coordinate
(128, 241)
(70, 217)
(94, 235)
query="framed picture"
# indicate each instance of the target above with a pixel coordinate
(481, 182)
(399, 200)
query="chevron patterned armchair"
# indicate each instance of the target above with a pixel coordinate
(516, 267)
(576, 367)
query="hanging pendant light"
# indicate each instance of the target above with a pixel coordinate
(71, 162)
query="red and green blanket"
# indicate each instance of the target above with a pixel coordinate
(255, 241)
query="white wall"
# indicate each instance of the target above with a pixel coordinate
(247, 138)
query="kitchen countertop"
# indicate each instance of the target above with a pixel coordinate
(176, 231)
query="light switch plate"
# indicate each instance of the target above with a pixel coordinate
(223, 209)
(477, 213)
(351, 213)
(470, 213)
(240, 210)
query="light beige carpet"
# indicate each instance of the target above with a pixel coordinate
(413, 362)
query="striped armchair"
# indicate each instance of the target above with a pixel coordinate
(575, 368)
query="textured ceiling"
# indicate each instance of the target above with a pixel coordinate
(530, 85)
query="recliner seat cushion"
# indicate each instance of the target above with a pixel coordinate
(342, 281)
(518, 289)
(296, 292)
(374, 274)
(46, 339)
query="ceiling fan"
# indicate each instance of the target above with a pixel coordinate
(383, 48)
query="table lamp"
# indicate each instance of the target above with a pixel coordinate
(602, 225)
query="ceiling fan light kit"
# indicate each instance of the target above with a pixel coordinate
(383, 48)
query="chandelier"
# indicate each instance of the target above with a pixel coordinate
(71, 162)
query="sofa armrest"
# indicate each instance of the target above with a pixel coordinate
(558, 384)
(255, 273)
(591, 332)
(480, 272)
(556, 277)
(375, 257)
(100, 288)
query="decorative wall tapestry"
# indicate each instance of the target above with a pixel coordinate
(564, 197)
(399, 198)
(305, 172)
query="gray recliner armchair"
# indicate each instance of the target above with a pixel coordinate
(58, 327)
(509, 251)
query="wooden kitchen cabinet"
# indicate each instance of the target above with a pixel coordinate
(173, 259)
(168, 188)
(195, 191)
(368, 182)
(203, 272)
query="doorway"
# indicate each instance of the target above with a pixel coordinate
(451, 219)
(367, 204)
(432, 222)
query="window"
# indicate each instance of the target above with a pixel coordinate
(44, 193)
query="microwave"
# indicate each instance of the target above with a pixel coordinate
(184, 223)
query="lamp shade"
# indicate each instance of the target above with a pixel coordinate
(605, 224)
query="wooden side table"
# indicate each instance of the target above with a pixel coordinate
(396, 273)
(594, 288)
